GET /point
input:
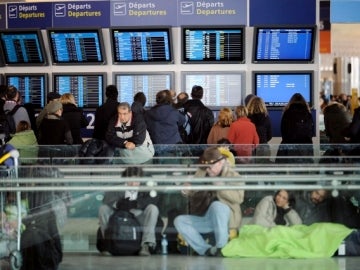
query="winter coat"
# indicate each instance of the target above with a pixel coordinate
(265, 214)
(163, 122)
(201, 121)
(76, 119)
(103, 115)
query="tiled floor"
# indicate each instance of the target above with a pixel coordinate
(179, 262)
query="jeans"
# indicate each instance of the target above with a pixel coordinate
(215, 220)
(147, 218)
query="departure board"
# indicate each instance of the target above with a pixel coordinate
(76, 46)
(32, 87)
(277, 87)
(22, 47)
(129, 84)
(87, 88)
(220, 88)
(204, 44)
(284, 44)
(145, 45)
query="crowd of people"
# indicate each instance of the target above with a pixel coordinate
(134, 130)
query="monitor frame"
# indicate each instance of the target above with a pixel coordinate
(78, 74)
(185, 28)
(30, 31)
(80, 30)
(23, 75)
(241, 73)
(309, 60)
(152, 73)
(144, 29)
(291, 72)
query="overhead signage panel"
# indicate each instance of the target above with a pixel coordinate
(29, 15)
(84, 13)
(223, 12)
(136, 13)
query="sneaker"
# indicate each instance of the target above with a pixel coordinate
(213, 252)
(105, 253)
(144, 251)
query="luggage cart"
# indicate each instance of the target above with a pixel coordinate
(10, 243)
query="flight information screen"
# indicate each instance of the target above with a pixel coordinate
(23, 47)
(31, 86)
(141, 45)
(216, 45)
(221, 89)
(284, 44)
(88, 89)
(276, 88)
(76, 46)
(149, 83)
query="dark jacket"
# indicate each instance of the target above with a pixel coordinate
(297, 125)
(54, 130)
(163, 122)
(353, 131)
(263, 126)
(201, 121)
(135, 132)
(336, 120)
(76, 120)
(103, 115)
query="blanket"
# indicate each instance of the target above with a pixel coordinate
(319, 240)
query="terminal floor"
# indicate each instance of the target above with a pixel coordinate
(92, 261)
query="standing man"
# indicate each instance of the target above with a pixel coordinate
(223, 214)
(105, 112)
(202, 118)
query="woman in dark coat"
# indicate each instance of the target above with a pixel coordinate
(74, 116)
(297, 127)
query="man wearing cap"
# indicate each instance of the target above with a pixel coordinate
(223, 215)
(53, 129)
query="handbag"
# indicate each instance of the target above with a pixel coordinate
(199, 201)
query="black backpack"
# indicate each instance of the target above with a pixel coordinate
(7, 124)
(122, 235)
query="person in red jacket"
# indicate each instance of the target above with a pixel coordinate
(242, 133)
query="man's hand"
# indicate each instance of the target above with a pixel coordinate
(130, 145)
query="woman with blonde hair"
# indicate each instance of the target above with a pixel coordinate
(258, 114)
(74, 116)
(221, 127)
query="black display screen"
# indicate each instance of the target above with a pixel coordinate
(88, 89)
(77, 46)
(23, 47)
(222, 44)
(220, 88)
(32, 87)
(145, 45)
(129, 84)
(276, 87)
(284, 44)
